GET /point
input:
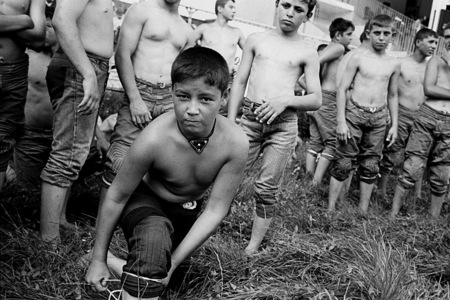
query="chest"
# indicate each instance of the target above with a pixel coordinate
(217, 36)
(281, 54)
(165, 28)
(412, 74)
(376, 69)
(14, 7)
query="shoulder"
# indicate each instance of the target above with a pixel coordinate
(159, 129)
(140, 10)
(233, 135)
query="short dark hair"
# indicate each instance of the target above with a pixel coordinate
(424, 33)
(221, 3)
(311, 4)
(201, 62)
(380, 21)
(340, 25)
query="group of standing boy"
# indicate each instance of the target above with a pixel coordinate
(170, 145)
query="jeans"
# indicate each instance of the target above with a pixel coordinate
(31, 154)
(13, 94)
(365, 146)
(429, 140)
(323, 127)
(72, 132)
(158, 101)
(276, 141)
(153, 228)
(405, 123)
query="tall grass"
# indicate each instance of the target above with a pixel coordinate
(307, 254)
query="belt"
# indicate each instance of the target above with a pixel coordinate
(371, 110)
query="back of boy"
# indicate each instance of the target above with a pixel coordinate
(272, 63)
(410, 98)
(429, 142)
(361, 121)
(323, 121)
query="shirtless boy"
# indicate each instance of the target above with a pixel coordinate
(272, 63)
(222, 37)
(76, 79)
(361, 121)
(157, 193)
(323, 121)
(430, 136)
(410, 98)
(151, 36)
(22, 24)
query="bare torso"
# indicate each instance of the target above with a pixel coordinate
(371, 81)
(164, 35)
(277, 65)
(223, 39)
(10, 50)
(177, 173)
(329, 72)
(96, 28)
(443, 80)
(38, 108)
(410, 83)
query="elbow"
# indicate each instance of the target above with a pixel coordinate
(427, 90)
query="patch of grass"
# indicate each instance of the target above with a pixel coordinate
(307, 254)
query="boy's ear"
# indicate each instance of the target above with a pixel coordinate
(308, 16)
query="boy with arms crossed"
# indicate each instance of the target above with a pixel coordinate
(361, 121)
(157, 194)
(430, 136)
(151, 36)
(323, 121)
(272, 63)
(222, 37)
(410, 98)
(22, 24)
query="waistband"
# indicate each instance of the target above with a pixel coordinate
(329, 93)
(328, 98)
(38, 130)
(162, 86)
(368, 109)
(90, 55)
(23, 60)
(250, 104)
(431, 111)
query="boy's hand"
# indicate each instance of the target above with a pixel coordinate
(97, 275)
(270, 109)
(391, 136)
(140, 115)
(91, 98)
(342, 132)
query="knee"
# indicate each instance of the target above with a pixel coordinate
(342, 168)
(369, 170)
(439, 181)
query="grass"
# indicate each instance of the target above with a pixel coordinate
(307, 254)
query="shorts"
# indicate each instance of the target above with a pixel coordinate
(153, 228)
(429, 140)
(158, 101)
(72, 132)
(276, 141)
(405, 122)
(367, 128)
(31, 153)
(323, 127)
(13, 94)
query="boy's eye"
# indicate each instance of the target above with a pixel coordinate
(298, 10)
(285, 5)
(183, 97)
(206, 99)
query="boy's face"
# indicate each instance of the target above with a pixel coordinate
(346, 37)
(427, 45)
(447, 39)
(228, 11)
(380, 37)
(196, 105)
(291, 14)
